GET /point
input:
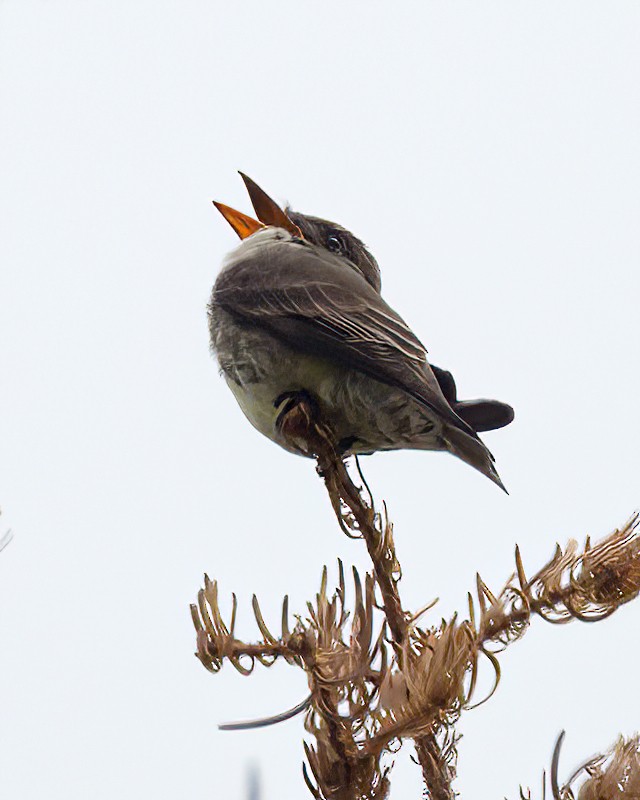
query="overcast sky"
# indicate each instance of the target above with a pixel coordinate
(488, 154)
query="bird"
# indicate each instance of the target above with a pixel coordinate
(296, 314)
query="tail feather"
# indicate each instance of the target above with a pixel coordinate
(474, 452)
(484, 415)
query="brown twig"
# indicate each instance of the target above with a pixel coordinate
(606, 776)
(357, 517)
(364, 700)
(437, 771)
(356, 513)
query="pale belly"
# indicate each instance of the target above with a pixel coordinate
(257, 399)
(366, 415)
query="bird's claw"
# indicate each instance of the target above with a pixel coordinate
(298, 414)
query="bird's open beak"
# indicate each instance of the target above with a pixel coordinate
(242, 224)
(267, 211)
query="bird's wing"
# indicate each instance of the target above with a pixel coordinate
(318, 303)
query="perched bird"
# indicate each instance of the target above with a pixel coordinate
(296, 313)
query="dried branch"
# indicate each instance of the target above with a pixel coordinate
(438, 763)
(613, 775)
(588, 585)
(356, 513)
(375, 683)
(344, 683)
(216, 640)
(345, 658)
(357, 516)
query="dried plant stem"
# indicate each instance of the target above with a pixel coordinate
(341, 487)
(438, 774)
(606, 776)
(357, 517)
(364, 699)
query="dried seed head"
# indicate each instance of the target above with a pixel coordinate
(588, 585)
(618, 777)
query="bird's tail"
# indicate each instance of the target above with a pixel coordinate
(472, 451)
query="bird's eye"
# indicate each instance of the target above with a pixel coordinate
(334, 244)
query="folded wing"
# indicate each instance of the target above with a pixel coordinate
(322, 305)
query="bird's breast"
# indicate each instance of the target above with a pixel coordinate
(280, 372)
(260, 367)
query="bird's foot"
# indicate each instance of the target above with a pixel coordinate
(297, 419)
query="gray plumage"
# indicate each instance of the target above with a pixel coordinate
(288, 315)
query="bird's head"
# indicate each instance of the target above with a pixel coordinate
(320, 232)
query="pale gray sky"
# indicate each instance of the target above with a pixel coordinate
(488, 153)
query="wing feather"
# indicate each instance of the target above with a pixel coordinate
(319, 303)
